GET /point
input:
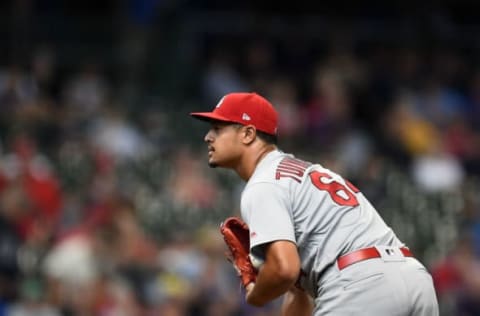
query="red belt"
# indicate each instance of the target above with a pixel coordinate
(364, 254)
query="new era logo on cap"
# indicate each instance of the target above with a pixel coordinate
(245, 117)
(244, 108)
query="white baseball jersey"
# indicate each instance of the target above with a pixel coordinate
(322, 213)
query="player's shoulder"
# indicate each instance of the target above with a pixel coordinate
(292, 168)
(280, 168)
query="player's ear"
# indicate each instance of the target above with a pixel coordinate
(249, 134)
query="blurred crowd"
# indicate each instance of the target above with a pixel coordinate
(103, 213)
(110, 209)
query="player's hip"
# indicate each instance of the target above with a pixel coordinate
(378, 287)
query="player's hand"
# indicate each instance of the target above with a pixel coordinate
(249, 289)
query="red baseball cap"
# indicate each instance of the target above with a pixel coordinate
(243, 108)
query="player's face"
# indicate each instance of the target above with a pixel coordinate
(224, 145)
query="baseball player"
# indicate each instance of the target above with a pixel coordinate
(322, 244)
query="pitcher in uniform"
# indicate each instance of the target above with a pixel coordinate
(322, 244)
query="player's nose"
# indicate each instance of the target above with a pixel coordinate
(208, 137)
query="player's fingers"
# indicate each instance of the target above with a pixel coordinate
(249, 286)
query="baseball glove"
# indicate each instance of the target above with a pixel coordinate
(237, 237)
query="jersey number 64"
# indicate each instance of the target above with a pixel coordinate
(341, 194)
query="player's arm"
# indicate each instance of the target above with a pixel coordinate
(277, 275)
(297, 303)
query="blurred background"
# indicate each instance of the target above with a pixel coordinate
(107, 206)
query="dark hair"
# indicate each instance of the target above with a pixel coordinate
(268, 138)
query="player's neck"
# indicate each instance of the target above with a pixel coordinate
(252, 158)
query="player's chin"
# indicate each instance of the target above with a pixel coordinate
(212, 164)
(216, 161)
